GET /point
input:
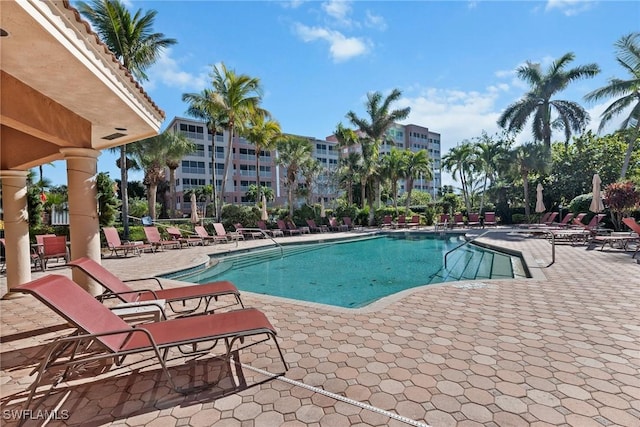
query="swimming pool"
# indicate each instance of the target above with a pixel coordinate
(355, 273)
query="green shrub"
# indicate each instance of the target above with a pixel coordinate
(581, 203)
(248, 216)
(518, 218)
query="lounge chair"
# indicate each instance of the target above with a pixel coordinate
(291, 226)
(333, 225)
(474, 220)
(102, 335)
(248, 232)
(206, 237)
(271, 232)
(387, 221)
(593, 225)
(314, 227)
(458, 220)
(286, 230)
(154, 238)
(415, 221)
(115, 245)
(346, 220)
(53, 247)
(566, 220)
(444, 221)
(490, 219)
(204, 293)
(550, 218)
(402, 221)
(176, 234)
(220, 231)
(635, 227)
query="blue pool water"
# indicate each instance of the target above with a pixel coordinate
(355, 273)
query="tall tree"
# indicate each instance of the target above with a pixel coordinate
(177, 146)
(236, 97)
(150, 153)
(375, 127)
(292, 152)
(459, 161)
(627, 93)
(538, 102)
(489, 155)
(204, 106)
(393, 168)
(351, 164)
(527, 159)
(263, 133)
(416, 164)
(310, 169)
(132, 40)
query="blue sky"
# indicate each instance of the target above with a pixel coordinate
(454, 61)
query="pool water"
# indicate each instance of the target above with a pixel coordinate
(357, 272)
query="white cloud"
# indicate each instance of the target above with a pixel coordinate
(338, 9)
(168, 72)
(569, 7)
(341, 47)
(375, 21)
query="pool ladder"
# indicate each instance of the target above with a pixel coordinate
(466, 242)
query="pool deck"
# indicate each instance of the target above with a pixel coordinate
(561, 348)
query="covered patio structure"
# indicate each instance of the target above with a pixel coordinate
(66, 97)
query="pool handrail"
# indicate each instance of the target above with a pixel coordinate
(463, 244)
(266, 236)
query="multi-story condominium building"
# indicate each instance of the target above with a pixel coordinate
(198, 168)
(414, 138)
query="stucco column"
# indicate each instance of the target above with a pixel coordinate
(16, 228)
(84, 228)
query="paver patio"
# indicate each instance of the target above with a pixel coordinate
(562, 348)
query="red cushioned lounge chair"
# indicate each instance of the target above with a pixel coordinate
(115, 245)
(205, 293)
(100, 334)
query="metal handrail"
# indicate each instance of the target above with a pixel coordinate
(463, 244)
(266, 235)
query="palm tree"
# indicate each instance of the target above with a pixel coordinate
(350, 171)
(538, 103)
(310, 169)
(177, 146)
(203, 106)
(263, 133)
(489, 155)
(292, 152)
(627, 93)
(132, 40)
(150, 153)
(458, 161)
(393, 168)
(526, 159)
(353, 161)
(236, 97)
(416, 164)
(375, 128)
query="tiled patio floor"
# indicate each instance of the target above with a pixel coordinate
(562, 348)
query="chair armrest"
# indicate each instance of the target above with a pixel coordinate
(145, 278)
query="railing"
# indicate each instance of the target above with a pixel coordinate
(266, 236)
(463, 244)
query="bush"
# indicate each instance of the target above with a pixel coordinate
(248, 216)
(581, 203)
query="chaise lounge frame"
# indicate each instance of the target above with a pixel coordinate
(205, 293)
(100, 334)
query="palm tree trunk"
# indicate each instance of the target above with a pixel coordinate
(153, 188)
(124, 191)
(363, 186)
(227, 161)
(258, 189)
(394, 190)
(213, 171)
(525, 185)
(172, 191)
(409, 190)
(627, 156)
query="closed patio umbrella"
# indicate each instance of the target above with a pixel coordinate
(194, 209)
(596, 201)
(264, 215)
(539, 203)
(323, 214)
